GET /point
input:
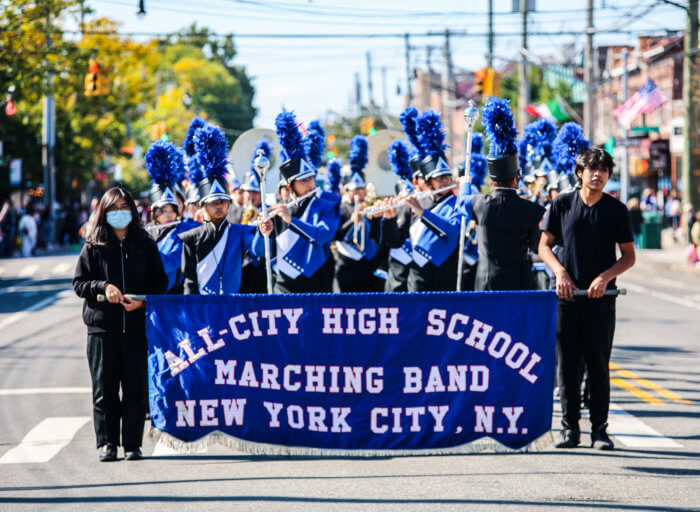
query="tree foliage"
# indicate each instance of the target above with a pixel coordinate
(149, 83)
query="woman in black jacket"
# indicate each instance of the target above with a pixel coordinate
(118, 258)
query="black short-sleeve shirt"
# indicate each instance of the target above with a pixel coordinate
(587, 235)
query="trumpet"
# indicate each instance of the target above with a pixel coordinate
(374, 210)
(358, 234)
(295, 201)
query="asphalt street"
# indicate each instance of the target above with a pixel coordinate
(48, 459)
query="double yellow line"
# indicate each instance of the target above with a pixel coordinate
(629, 381)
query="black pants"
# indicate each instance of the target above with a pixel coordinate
(118, 361)
(585, 329)
(430, 278)
(397, 280)
(356, 276)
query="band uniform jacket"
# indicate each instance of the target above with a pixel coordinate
(212, 258)
(434, 243)
(356, 263)
(301, 247)
(507, 230)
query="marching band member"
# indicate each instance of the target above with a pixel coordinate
(434, 230)
(508, 226)
(160, 161)
(253, 277)
(213, 252)
(314, 148)
(356, 238)
(237, 206)
(401, 255)
(303, 231)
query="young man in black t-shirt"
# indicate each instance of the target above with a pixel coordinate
(587, 225)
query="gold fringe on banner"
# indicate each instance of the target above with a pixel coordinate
(483, 445)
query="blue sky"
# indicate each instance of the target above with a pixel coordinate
(313, 76)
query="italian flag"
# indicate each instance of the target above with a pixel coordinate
(553, 110)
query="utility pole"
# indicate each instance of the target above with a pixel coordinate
(407, 45)
(428, 80)
(446, 86)
(48, 131)
(489, 55)
(385, 98)
(358, 95)
(624, 160)
(690, 173)
(524, 87)
(588, 75)
(369, 82)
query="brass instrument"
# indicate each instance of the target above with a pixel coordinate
(250, 215)
(154, 229)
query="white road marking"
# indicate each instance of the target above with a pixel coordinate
(634, 433)
(161, 450)
(62, 268)
(29, 270)
(44, 391)
(663, 296)
(670, 282)
(44, 441)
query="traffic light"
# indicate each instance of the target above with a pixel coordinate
(95, 82)
(367, 126)
(496, 83)
(489, 82)
(159, 131)
(479, 79)
(92, 79)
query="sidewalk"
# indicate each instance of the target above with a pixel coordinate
(671, 257)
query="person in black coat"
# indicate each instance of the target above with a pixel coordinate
(118, 258)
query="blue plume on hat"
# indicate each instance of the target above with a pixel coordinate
(178, 163)
(188, 143)
(536, 143)
(289, 135)
(158, 160)
(333, 176)
(570, 141)
(315, 143)
(431, 137)
(478, 169)
(210, 146)
(408, 120)
(267, 151)
(358, 154)
(477, 142)
(194, 171)
(499, 126)
(399, 157)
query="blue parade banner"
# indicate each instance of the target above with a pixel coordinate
(404, 372)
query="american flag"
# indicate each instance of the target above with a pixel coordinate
(647, 99)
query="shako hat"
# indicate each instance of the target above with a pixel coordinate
(499, 125)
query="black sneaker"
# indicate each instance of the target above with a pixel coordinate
(108, 453)
(568, 438)
(133, 454)
(600, 440)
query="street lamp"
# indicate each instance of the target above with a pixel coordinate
(142, 9)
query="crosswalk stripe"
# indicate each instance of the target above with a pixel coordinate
(61, 268)
(28, 270)
(663, 296)
(44, 441)
(44, 391)
(634, 433)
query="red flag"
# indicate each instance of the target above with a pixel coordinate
(10, 108)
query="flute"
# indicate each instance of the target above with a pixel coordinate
(155, 228)
(358, 235)
(373, 210)
(295, 201)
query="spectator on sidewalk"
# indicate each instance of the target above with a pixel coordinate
(28, 230)
(648, 201)
(694, 241)
(636, 218)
